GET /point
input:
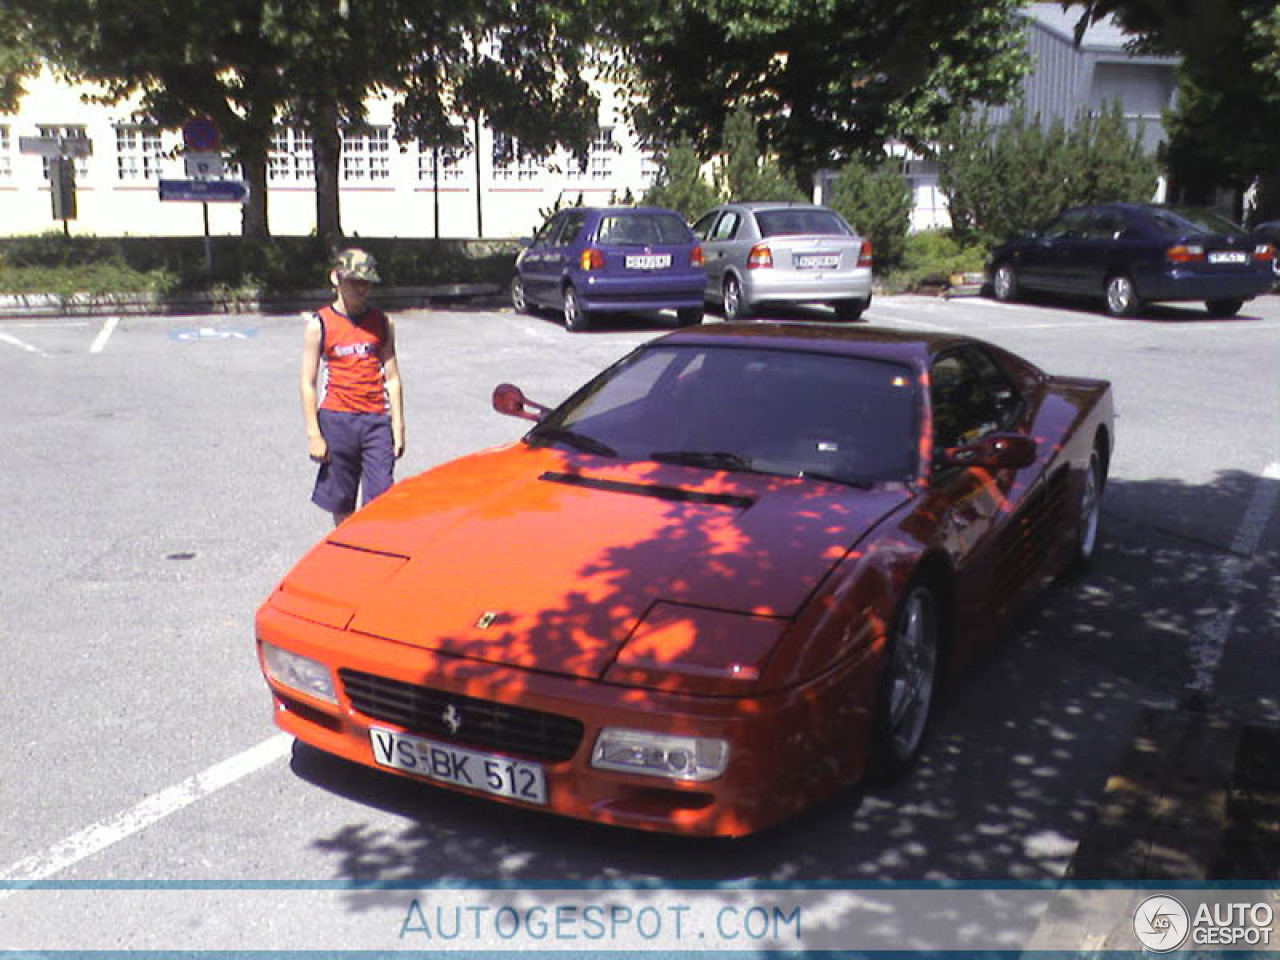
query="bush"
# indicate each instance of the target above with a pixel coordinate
(929, 258)
(877, 203)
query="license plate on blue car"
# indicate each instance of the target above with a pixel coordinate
(1228, 256)
(649, 261)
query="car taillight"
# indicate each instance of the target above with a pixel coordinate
(591, 259)
(760, 257)
(864, 256)
(696, 258)
(1184, 253)
(1264, 252)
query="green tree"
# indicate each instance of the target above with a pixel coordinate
(744, 173)
(824, 81)
(680, 184)
(876, 200)
(17, 62)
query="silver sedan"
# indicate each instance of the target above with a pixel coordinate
(758, 254)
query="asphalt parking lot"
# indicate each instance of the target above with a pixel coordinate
(155, 486)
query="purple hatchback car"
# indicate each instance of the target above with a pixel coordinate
(585, 261)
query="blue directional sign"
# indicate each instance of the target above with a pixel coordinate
(205, 191)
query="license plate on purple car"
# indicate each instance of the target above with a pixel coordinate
(1228, 256)
(649, 261)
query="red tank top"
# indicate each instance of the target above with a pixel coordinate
(352, 352)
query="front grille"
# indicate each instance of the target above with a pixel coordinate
(484, 724)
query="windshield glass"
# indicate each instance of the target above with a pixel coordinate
(642, 229)
(743, 408)
(800, 222)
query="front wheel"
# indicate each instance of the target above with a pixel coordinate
(518, 298)
(1224, 308)
(907, 685)
(1005, 283)
(1122, 299)
(1088, 518)
(575, 318)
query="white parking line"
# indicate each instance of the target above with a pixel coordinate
(21, 344)
(100, 341)
(152, 809)
(1208, 646)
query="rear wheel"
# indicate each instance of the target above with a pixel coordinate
(1122, 299)
(907, 685)
(1005, 283)
(689, 316)
(735, 305)
(575, 318)
(1224, 308)
(849, 310)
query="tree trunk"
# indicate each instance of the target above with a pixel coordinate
(326, 151)
(253, 224)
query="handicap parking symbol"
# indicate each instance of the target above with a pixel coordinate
(214, 333)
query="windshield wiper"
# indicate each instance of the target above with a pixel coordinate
(711, 459)
(574, 439)
(834, 478)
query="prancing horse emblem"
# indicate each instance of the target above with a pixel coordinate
(452, 719)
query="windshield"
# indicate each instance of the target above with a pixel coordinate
(642, 229)
(800, 222)
(749, 409)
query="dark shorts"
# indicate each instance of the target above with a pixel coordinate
(360, 456)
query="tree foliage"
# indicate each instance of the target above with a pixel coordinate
(680, 184)
(999, 182)
(876, 200)
(824, 80)
(17, 61)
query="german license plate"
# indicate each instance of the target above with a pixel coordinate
(1228, 256)
(485, 772)
(648, 261)
(817, 261)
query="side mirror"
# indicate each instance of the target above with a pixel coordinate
(996, 451)
(525, 241)
(510, 399)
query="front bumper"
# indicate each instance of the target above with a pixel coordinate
(787, 750)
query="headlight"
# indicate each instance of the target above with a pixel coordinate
(660, 755)
(299, 673)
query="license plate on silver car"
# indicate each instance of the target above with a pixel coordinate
(649, 261)
(486, 772)
(817, 261)
(1228, 256)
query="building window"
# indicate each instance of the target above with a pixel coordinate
(6, 145)
(450, 160)
(508, 164)
(138, 152)
(650, 167)
(366, 155)
(600, 161)
(291, 159)
(70, 132)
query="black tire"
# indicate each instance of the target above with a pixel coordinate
(849, 311)
(1122, 300)
(518, 299)
(1088, 518)
(1004, 283)
(1227, 307)
(908, 684)
(575, 318)
(734, 303)
(689, 316)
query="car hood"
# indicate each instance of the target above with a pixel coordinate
(549, 560)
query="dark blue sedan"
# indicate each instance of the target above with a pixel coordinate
(1130, 254)
(586, 261)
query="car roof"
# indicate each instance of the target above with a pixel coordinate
(624, 210)
(776, 205)
(879, 343)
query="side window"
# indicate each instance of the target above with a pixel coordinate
(702, 229)
(1071, 223)
(547, 231)
(570, 224)
(1007, 401)
(727, 228)
(963, 408)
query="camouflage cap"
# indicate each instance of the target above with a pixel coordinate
(354, 264)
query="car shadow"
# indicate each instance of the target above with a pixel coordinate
(1154, 312)
(1008, 783)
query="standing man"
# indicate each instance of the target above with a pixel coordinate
(357, 432)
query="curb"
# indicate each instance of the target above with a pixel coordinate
(83, 304)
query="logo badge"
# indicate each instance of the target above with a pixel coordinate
(1161, 923)
(452, 719)
(486, 619)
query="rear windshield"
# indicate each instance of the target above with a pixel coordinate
(642, 229)
(1188, 220)
(783, 223)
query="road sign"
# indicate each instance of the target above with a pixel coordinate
(203, 166)
(200, 135)
(56, 146)
(205, 191)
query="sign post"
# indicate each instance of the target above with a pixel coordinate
(200, 142)
(60, 153)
